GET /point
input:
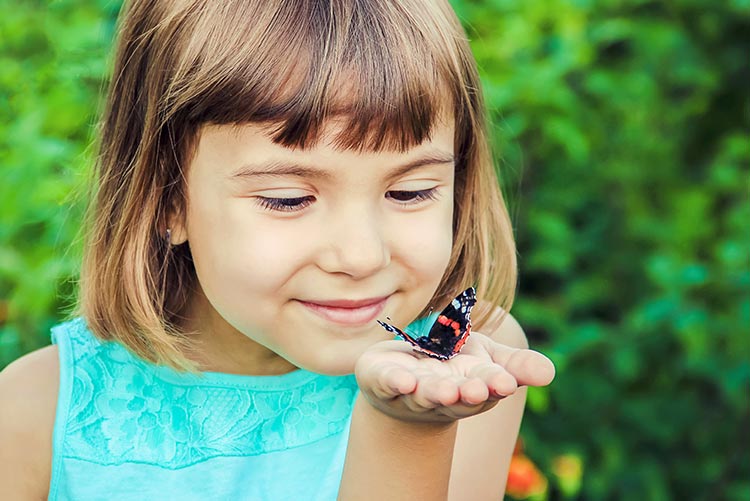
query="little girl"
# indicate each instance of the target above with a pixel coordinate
(274, 177)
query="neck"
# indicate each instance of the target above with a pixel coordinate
(219, 347)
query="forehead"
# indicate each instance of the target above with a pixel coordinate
(247, 151)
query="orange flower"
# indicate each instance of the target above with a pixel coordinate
(524, 478)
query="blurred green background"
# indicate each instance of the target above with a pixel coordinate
(623, 135)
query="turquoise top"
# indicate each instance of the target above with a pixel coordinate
(126, 429)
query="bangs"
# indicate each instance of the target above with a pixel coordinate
(387, 72)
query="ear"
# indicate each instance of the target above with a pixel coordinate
(177, 226)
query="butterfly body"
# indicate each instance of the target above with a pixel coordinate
(449, 332)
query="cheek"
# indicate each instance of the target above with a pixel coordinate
(426, 242)
(238, 252)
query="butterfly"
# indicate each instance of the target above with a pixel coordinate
(449, 332)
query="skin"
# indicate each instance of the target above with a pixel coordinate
(361, 231)
(352, 228)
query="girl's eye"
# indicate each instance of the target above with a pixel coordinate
(285, 204)
(412, 197)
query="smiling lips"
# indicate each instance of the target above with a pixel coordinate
(348, 312)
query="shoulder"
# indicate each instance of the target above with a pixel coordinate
(30, 385)
(38, 371)
(28, 399)
(505, 329)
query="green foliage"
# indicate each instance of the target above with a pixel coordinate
(622, 135)
(624, 132)
(51, 68)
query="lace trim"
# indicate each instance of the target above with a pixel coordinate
(124, 409)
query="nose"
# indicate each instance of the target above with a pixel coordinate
(356, 245)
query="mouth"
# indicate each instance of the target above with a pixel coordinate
(347, 312)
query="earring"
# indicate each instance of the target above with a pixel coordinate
(168, 236)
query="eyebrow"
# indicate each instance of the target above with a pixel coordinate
(283, 168)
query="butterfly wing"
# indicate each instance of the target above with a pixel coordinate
(416, 342)
(399, 332)
(453, 326)
(449, 332)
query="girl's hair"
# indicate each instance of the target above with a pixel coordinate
(390, 70)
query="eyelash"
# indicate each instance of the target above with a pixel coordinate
(416, 196)
(299, 203)
(285, 204)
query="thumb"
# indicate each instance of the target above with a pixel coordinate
(529, 367)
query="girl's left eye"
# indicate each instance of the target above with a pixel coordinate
(412, 197)
(285, 204)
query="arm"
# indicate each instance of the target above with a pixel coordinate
(484, 443)
(401, 444)
(390, 459)
(28, 398)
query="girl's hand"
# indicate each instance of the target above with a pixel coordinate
(413, 387)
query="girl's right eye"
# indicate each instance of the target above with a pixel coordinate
(285, 204)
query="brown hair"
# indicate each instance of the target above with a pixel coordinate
(182, 64)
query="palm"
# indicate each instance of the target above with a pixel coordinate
(412, 386)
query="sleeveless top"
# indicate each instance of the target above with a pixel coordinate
(127, 429)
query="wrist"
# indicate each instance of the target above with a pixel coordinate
(409, 424)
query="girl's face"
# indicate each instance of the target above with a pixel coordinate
(302, 250)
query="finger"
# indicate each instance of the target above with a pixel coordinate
(499, 382)
(436, 391)
(529, 367)
(393, 381)
(473, 392)
(460, 411)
